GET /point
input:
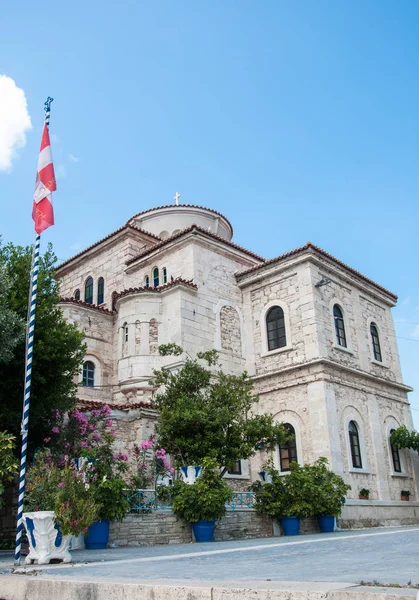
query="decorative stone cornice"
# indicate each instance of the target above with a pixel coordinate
(310, 249)
(102, 309)
(198, 230)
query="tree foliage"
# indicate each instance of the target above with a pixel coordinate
(307, 491)
(205, 412)
(12, 327)
(58, 347)
(205, 499)
(403, 438)
(8, 462)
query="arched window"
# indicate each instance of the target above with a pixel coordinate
(100, 290)
(88, 374)
(355, 447)
(125, 332)
(88, 290)
(164, 271)
(339, 326)
(275, 325)
(77, 294)
(397, 466)
(155, 274)
(147, 281)
(288, 451)
(375, 342)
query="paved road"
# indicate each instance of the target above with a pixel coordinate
(385, 555)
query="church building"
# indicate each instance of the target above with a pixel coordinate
(316, 336)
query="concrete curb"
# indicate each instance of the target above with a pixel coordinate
(36, 587)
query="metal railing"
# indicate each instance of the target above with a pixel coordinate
(143, 501)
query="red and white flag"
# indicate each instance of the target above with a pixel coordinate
(42, 210)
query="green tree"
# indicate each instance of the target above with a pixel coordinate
(205, 412)
(12, 327)
(58, 348)
(8, 462)
(403, 438)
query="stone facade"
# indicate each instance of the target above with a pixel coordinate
(173, 274)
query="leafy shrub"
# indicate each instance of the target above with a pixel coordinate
(205, 499)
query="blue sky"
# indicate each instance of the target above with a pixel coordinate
(298, 120)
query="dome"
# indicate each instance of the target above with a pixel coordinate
(165, 221)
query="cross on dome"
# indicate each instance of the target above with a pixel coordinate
(176, 198)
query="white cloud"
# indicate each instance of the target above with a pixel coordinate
(14, 121)
(74, 159)
(76, 246)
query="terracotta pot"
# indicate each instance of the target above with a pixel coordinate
(405, 498)
(362, 497)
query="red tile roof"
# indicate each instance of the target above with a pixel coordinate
(188, 230)
(215, 212)
(310, 246)
(96, 404)
(126, 226)
(160, 288)
(65, 300)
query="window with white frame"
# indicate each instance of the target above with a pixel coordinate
(375, 340)
(275, 328)
(88, 377)
(155, 275)
(355, 445)
(395, 456)
(288, 451)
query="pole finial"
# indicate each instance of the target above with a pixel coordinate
(47, 104)
(47, 108)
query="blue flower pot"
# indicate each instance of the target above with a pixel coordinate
(98, 536)
(203, 530)
(290, 525)
(326, 523)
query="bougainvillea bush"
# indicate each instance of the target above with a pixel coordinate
(63, 490)
(87, 440)
(151, 465)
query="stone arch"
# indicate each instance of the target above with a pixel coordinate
(230, 330)
(153, 336)
(137, 336)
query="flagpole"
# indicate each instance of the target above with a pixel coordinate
(30, 330)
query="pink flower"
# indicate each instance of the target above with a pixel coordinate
(91, 427)
(61, 485)
(171, 470)
(146, 445)
(109, 423)
(55, 430)
(106, 411)
(46, 440)
(123, 457)
(113, 434)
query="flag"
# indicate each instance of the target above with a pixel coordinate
(42, 210)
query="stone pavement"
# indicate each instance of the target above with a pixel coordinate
(265, 568)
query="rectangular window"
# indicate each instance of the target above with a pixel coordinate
(237, 468)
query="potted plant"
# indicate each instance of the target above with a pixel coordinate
(58, 504)
(364, 494)
(404, 495)
(328, 494)
(201, 503)
(286, 499)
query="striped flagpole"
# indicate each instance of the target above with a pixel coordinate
(30, 329)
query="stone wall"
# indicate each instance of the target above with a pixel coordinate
(231, 340)
(155, 528)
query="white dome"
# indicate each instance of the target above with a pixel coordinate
(165, 221)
